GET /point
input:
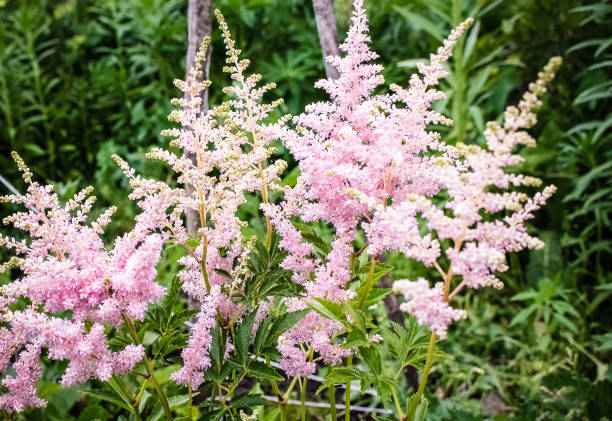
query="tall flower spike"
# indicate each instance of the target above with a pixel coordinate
(357, 153)
(232, 148)
(369, 160)
(67, 268)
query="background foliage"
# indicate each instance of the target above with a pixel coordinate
(82, 79)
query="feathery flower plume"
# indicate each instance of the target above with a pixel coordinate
(66, 267)
(369, 160)
(232, 146)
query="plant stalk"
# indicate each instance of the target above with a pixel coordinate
(303, 395)
(347, 395)
(151, 377)
(332, 403)
(414, 402)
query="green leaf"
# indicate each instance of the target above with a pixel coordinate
(422, 23)
(224, 273)
(247, 400)
(108, 396)
(375, 295)
(373, 359)
(215, 415)
(311, 236)
(421, 411)
(192, 242)
(523, 315)
(261, 337)
(173, 402)
(264, 372)
(525, 295)
(356, 338)
(343, 375)
(94, 413)
(243, 337)
(284, 323)
(328, 309)
(380, 270)
(218, 368)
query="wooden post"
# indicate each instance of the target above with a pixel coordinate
(328, 33)
(199, 25)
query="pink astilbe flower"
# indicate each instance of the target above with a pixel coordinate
(195, 355)
(427, 304)
(368, 160)
(357, 152)
(224, 156)
(67, 268)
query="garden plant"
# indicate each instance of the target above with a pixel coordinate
(259, 308)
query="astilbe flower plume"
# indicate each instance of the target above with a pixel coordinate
(70, 287)
(357, 145)
(370, 160)
(224, 155)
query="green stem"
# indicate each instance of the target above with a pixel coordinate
(190, 403)
(133, 402)
(304, 399)
(291, 386)
(398, 406)
(459, 111)
(151, 376)
(414, 402)
(332, 402)
(347, 395)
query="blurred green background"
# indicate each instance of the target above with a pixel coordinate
(82, 79)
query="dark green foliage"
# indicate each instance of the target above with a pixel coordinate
(266, 278)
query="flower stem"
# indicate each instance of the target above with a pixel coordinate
(304, 398)
(414, 402)
(332, 402)
(288, 392)
(347, 395)
(151, 377)
(398, 406)
(264, 196)
(133, 402)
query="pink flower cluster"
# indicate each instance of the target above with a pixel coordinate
(370, 160)
(427, 304)
(73, 287)
(224, 155)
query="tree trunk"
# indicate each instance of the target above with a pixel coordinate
(198, 26)
(328, 33)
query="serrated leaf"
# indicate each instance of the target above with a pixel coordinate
(373, 359)
(264, 372)
(215, 415)
(223, 273)
(375, 295)
(356, 338)
(328, 309)
(248, 400)
(343, 375)
(311, 236)
(108, 396)
(284, 323)
(263, 331)
(380, 270)
(243, 337)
